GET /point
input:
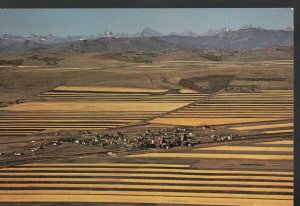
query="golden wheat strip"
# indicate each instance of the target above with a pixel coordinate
(248, 104)
(209, 121)
(73, 167)
(289, 142)
(217, 156)
(249, 148)
(168, 175)
(115, 166)
(63, 168)
(143, 199)
(246, 183)
(17, 133)
(264, 126)
(108, 164)
(114, 89)
(277, 90)
(216, 113)
(127, 186)
(41, 121)
(279, 131)
(92, 106)
(146, 193)
(238, 95)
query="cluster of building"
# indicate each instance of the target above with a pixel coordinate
(165, 138)
(148, 139)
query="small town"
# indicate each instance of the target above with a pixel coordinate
(165, 138)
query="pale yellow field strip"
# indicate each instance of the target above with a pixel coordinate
(274, 91)
(266, 115)
(58, 126)
(236, 98)
(92, 106)
(170, 175)
(232, 113)
(28, 121)
(210, 121)
(128, 186)
(185, 94)
(121, 99)
(109, 89)
(279, 131)
(252, 100)
(243, 108)
(257, 95)
(161, 169)
(254, 127)
(28, 66)
(35, 122)
(183, 91)
(3, 66)
(235, 110)
(77, 118)
(217, 156)
(193, 171)
(260, 92)
(273, 94)
(78, 113)
(146, 193)
(144, 199)
(267, 94)
(259, 184)
(246, 104)
(16, 124)
(288, 142)
(107, 164)
(290, 107)
(229, 112)
(245, 95)
(117, 96)
(92, 95)
(217, 114)
(249, 148)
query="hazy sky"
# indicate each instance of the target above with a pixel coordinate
(64, 22)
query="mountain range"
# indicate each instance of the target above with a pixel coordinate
(248, 37)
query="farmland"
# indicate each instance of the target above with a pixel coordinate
(177, 183)
(88, 94)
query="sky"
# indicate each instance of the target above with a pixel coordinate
(67, 22)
